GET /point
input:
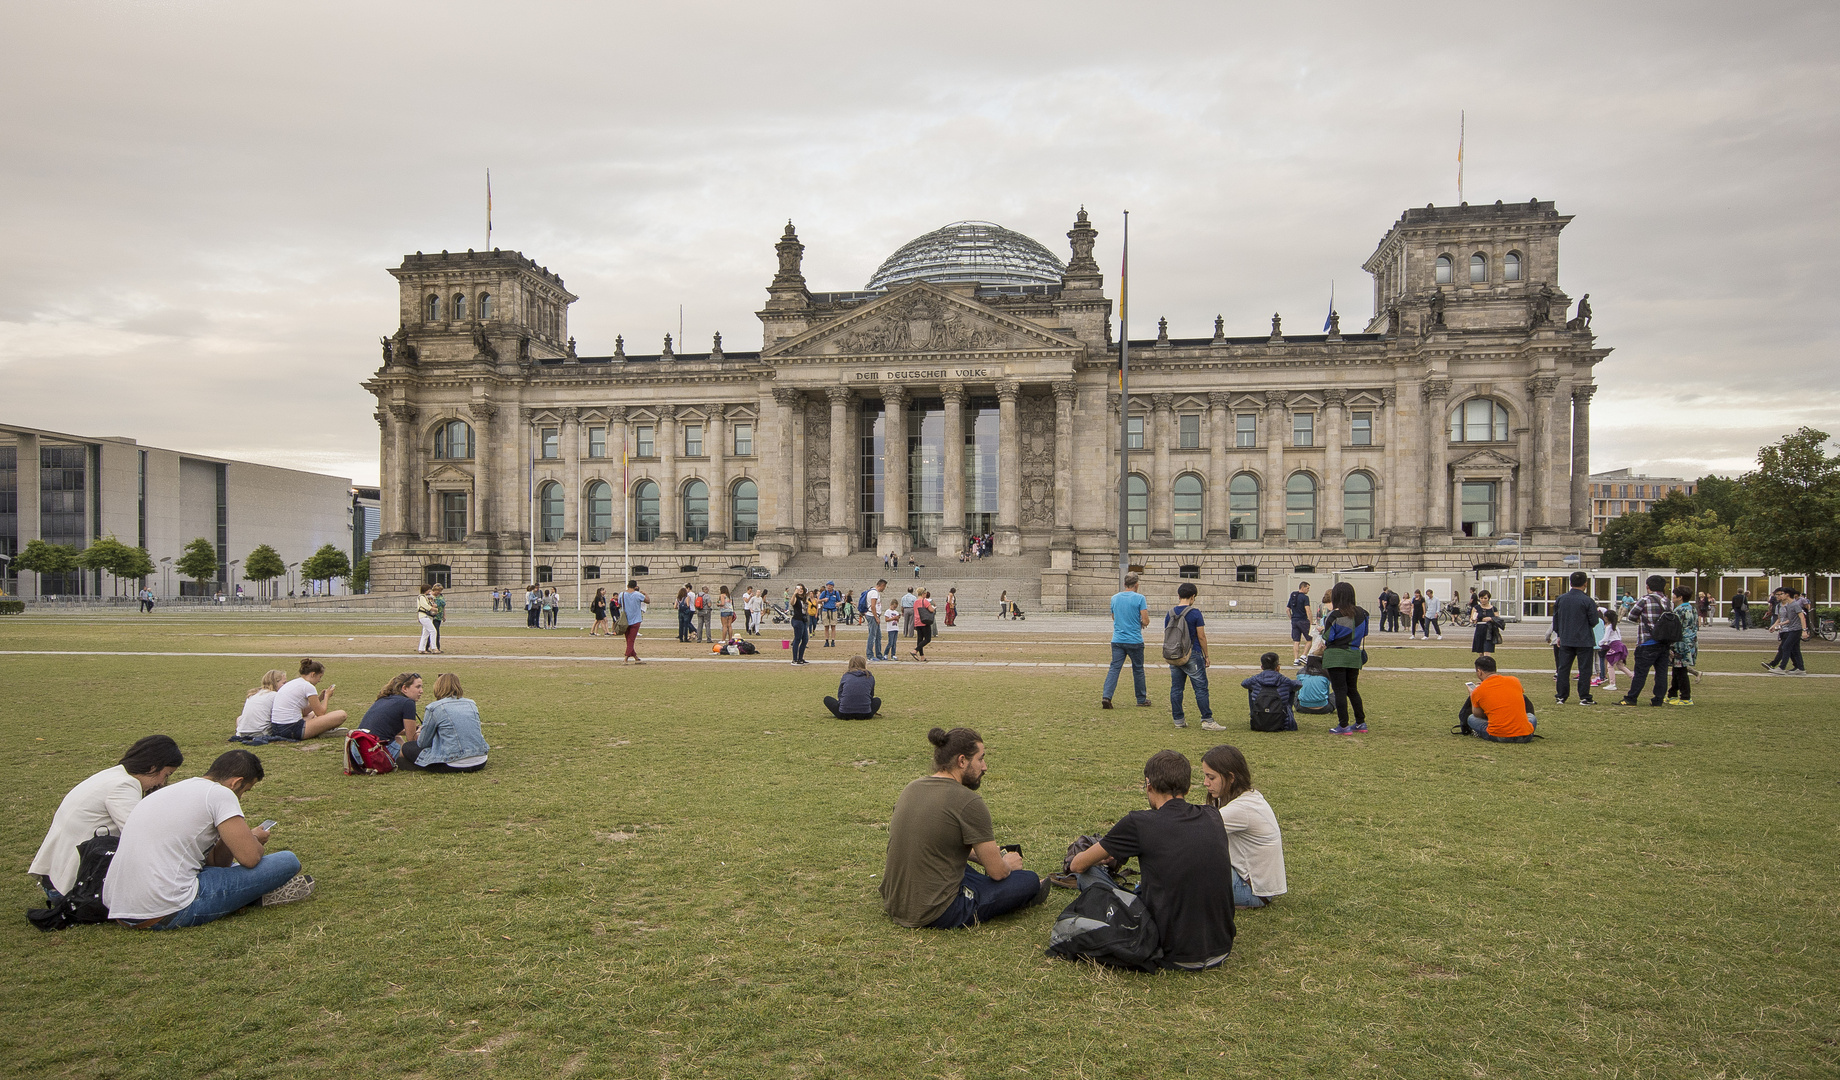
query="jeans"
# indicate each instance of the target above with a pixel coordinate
(1682, 685)
(530, 617)
(875, 706)
(875, 639)
(1242, 893)
(892, 650)
(1788, 650)
(1651, 654)
(1479, 725)
(1564, 656)
(801, 636)
(1346, 683)
(1119, 652)
(980, 899)
(1740, 618)
(225, 890)
(1195, 671)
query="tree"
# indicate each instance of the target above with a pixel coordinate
(1675, 506)
(1699, 543)
(116, 559)
(43, 559)
(361, 574)
(1720, 495)
(135, 563)
(198, 561)
(325, 564)
(1791, 518)
(1626, 540)
(263, 566)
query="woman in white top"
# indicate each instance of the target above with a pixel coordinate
(301, 709)
(1254, 845)
(259, 707)
(101, 804)
(424, 614)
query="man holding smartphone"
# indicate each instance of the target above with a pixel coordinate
(189, 857)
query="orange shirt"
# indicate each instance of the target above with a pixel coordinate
(1501, 699)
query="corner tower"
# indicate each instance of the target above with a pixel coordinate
(491, 306)
(1469, 268)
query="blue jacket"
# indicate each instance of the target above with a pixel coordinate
(450, 731)
(1287, 689)
(855, 692)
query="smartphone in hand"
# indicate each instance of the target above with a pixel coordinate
(1017, 848)
(269, 825)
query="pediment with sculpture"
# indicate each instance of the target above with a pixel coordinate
(920, 318)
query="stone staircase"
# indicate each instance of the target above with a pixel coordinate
(979, 582)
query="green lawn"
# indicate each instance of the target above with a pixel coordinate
(671, 871)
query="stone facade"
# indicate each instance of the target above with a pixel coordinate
(906, 419)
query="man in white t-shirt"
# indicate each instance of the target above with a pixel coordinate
(187, 857)
(872, 612)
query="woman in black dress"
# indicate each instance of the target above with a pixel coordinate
(1488, 624)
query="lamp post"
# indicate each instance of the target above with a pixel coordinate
(166, 578)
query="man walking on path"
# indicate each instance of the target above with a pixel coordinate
(1433, 609)
(632, 607)
(872, 613)
(1649, 653)
(1574, 625)
(1299, 606)
(1791, 626)
(1194, 669)
(1130, 614)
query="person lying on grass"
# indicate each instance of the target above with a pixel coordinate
(189, 857)
(1188, 871)
(450, 739)
(855, 698)
(1496, 707)
(1254, 843)
(939, 822)
(99, 804)
(301, 709)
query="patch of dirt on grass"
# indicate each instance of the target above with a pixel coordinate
(1430, 971)
(617, 836)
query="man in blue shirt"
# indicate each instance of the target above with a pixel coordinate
(829, 599)
(1130, 614)
(1299, 606)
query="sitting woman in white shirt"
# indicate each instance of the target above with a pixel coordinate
(258, 708)
(101, 804)
(1255, 847)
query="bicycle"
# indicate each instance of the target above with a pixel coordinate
(1827, 628)
(1460, 618)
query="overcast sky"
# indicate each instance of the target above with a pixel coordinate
(200, 200)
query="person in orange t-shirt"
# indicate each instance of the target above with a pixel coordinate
(1497, 709)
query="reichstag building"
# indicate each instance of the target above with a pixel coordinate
(970, 388)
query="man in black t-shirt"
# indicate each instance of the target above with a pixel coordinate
(1182, 851)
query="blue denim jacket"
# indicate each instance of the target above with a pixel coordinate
(450, 731)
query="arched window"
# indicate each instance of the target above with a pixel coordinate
(744, 515)
(1136, 508)
(645, 511)
(1358, 506)
(453, 441)
(1443, 270)
(1479, 420)
(1511, 267)
(1243, 507)
(459, 305)
(600, 512)
(696, 511)
(549, 511)
(433, 308)
(485, 305)
(1300, 507)
(1188, 508)
(1478, 268)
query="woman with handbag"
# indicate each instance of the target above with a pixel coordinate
(1488, 625)
(1343, 656)
(801, 623)
(924, 615)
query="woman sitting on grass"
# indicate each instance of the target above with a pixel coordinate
(855, 698)
(258, 706)
(1255, 846)
(450, 739)
(392, 716)
(1317, 696)
(301, 707)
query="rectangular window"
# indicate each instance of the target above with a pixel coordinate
(453, 516)
(597, 442)
(545, 575)
(1246, 430)
(744, 440)
(1303, 429)
(552, 443)
(1134, 433)
(1479, 508)
(693, 440)
(643, 436)
(1188, 432)
(1361, 429)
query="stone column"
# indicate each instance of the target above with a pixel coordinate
(715, 448)
(1161, 507)
(841, 461)
(1276, 429)
(1387, 510)
(670, 507)
(895, 536)
(1009, 470)
(1220, 436)
(30, 506)
(1581, 457)
(1334, 410)
(1540, 402)
(617, 449)
(1437, 468)
(791, 414)
(952, 529)
(387, 467)
(486, 510)
(406, 479)
(570, 436)
(1064, 393)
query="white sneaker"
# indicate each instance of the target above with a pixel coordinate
(1209, 725)
(299, 887)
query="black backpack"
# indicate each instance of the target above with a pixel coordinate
(1268, 710)
(83, 903)
(747, 648)
(1107, 926)
(1668, 629)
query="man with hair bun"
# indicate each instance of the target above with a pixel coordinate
(939, 823)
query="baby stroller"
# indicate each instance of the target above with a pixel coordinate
(781, 613)
(1015, 611)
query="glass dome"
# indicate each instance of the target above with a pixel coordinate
(970, 252)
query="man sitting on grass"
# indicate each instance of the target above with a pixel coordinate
(1496, 708)
(1270, 678)
(939, 821)
(187, 857)
(1188, 871)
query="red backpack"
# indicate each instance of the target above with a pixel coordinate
(365, 755)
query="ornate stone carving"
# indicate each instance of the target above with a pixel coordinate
(895, 397)
(1220, 399)
(1437, 308)
(527, 413)
(1064, 391)
(1276, 399)
(1082, 237)
(389, 350)
(1542, 386)
(1435, 390)
(838, 394)
(1335, 397)
(569, 414)
(791, 254)
(1162, 331)
(1007, 390)
(1389, 396)
(715, 351)
(402, 414)
(954, 393)
(482, 345)
(483, 412)
(382, 416)
(1277, 327)
(1220, 328)
(619, 347)
(1035, 421)
(616, 414)
(667, 412)
(667, 353)
(923, 323)
(818, 465)
(1581, 395)
(789, 398)
(1162, 402)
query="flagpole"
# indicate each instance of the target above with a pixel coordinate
(488, 209)
(1124, 406)
(1461, 123)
